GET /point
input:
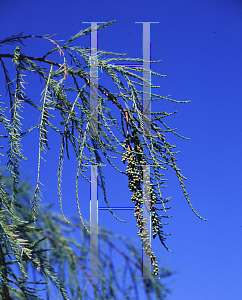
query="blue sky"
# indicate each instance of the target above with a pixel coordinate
(199, 43)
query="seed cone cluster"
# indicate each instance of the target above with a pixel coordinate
(134, 170)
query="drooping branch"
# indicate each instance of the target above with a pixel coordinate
(159, 149)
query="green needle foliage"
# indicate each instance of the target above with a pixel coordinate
(50, 247)
(68, 86)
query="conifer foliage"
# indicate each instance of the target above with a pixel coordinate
(52, 254)
(66, 93)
